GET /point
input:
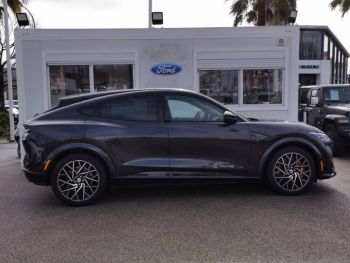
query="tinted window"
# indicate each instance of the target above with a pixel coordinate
(185, 108)
(303, 99)
(311, 45)
(89, 110)
(131, 109)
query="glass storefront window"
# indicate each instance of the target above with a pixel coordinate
(325, 47)
(311, 45)
(113, 77)
(331, 60)
(262, 86)
(221, 85)
(68, 80)
(336, 65)
(341, 74)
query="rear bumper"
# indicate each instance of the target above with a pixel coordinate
(36, 178)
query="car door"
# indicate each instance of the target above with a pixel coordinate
(201, 144)
(303, 103)
(315, 113)
(132, 131)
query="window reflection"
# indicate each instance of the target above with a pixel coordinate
(221, 85)
(68, 80)
(311, 45)
(113, 77)
(262, 86)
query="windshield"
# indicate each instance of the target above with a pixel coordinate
(337, 94)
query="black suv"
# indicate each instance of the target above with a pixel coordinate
(167, 136)
(327, 108)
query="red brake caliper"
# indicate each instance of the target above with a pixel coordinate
(70, 172)
(301, 169)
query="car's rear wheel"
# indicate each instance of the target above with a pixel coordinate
(338, 140)
(291, 171)
(78, 180)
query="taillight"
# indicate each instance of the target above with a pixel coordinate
(26, 132)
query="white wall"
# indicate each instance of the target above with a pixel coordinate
(151, 47)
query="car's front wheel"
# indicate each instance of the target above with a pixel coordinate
(338, 140)
(78, 180)
(291, 171)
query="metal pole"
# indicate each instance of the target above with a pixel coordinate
(9, 72)
(149, 14)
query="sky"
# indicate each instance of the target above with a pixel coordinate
(177, 13)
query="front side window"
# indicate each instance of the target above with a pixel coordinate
(336, 95)
(311, 45)
(186, 108)
(113, 77)
(130, 109)
(303, 98)
(221, 85)
(68, 80)
(262, 86)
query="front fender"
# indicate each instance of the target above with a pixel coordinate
(82, 146)
(295, 140)
(337, 118)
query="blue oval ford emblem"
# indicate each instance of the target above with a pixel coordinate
(166, 69)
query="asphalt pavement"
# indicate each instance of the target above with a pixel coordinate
(208, 223)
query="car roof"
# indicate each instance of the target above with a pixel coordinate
(84, 96)
(94, 97)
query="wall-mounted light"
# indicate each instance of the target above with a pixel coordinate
(22, 19)
(157, 18)
(292, 16)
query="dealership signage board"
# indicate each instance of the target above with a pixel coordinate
(309, 66)
(166, 69)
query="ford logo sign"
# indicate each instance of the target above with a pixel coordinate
(166, 69)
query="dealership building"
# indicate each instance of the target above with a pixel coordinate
(255, 71)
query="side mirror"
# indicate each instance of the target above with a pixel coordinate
(315, 101)
(229, 117)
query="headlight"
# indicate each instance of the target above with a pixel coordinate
(322, 136)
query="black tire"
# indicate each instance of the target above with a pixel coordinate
(85, 181)
(338, 140)
(296, 172)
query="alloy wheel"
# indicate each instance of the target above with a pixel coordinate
(78, 180)
(292, 171)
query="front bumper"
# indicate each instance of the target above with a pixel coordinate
(36, 178)
(329, 171)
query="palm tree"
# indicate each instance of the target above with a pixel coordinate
(343, 4)
(262, 12)
(14, 5)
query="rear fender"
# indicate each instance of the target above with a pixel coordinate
(81, 147)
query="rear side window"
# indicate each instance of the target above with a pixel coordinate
(130, 109)
(303, 99)
(89, 110)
